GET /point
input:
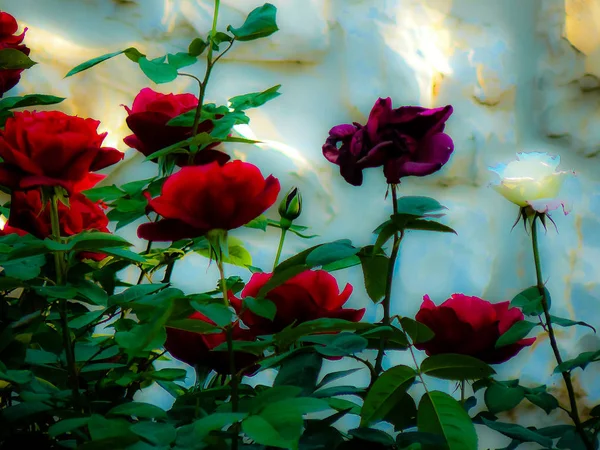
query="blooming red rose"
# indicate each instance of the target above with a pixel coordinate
(470, 326)
(406, 141)
(51, 149)
(198, 199)
(8, 39)
(28, 214)
(148, 117)
(310, 295)
(195, 349)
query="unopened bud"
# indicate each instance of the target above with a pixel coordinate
(290, 207)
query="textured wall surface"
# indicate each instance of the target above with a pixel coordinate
(522, 75)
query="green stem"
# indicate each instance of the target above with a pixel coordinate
(168, 271)
(59, 261)
(229, 335)
(574, 413)
(280, 248)
(389, 281)
(462, 392)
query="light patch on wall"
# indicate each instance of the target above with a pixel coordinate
(290, 152)
(420, 37)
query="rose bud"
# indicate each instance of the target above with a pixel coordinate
(290, 207)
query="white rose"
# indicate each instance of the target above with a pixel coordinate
(532, 180)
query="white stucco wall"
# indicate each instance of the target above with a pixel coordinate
(522, 75)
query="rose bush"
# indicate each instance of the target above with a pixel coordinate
(406, 141)
(198, 199)
(470, 326)
(79, 339)
(148, 117)
(51, 148)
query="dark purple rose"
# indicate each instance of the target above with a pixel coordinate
(406, 141)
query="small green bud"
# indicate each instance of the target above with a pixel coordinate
(290, 207)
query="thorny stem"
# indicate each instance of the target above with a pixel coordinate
(574, 413)
(59, 261)
(388, 286)
(280, 248)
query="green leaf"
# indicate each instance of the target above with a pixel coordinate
(260, 223)
(342, 264)
(106, 193)
(169, 374)
(372, 435)
(135, 293)
(113, 431)
(122, 253)
(427, 225)
(375, 271)
(159, 434)
(139, 410)
(157, 70)
(328, 253)
(195, 326)
(543, 400)
(450, 366)
(260, 23)
(384, 231)
(332, 376)
(501, 397)
(261, 307)
(197, 47)
(101, 367)
(16, 376)
(280, 423)
(66, 292)
(92, 62)
(418, 206)
(519, 433)
(530, 301)
(85, 319)
(217, 312)
(342, 344)
(93, 240)
(28, 100)
(582, 360)
(222, 126)
(386, 392)
(300, 369)
(254, 99)
(93, 292)
(179, 60)
(569, 323)
(237, 254)
(37, 357)
(24, 269)
(441, 414)
(515, 333)
(417, 331)
(216, 421)
(12, 59)
(66, 425)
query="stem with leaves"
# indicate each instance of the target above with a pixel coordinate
(573, 413)
(389, 281)
(229, 336)
(61, 274)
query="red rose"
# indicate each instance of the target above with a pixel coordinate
(308, 296)
(8, 39)
(406, 141)
(198, 199)
(28, 214)
(51, 149)
(148, 117)
(470, 326)
(195, 349)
